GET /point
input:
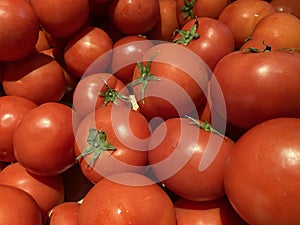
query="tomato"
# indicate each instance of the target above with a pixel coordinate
(61, 18)
(257, 86)
(110, 140)
(289, 6)
(201, 36)
(165, 69)
(242, 16)
(19, 30)
(18, 207)
(64, 214)
(43, 139)
(12, 110)
(96, 90)
(37, 77)
(262, 176)
(126, 198)
(214, 212)
(85, 47)
(47, 191)
(164, 28)
(190, 9)
(275, 30)
(127, 51)
(134, 17)
(42, 42)
(189, 160)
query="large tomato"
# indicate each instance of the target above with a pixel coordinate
(43, 139)
(47, 191)
(126, 198)
(257, 86)
(18, 207)
(64, 214)
(189, 160)
(262, 176)
(19, 29)
(110, 140)
(61, 18)
(12, 110)
(289, 6)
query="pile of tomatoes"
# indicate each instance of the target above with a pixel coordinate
(164, 112)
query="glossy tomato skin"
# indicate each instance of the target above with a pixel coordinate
(47, 191)
(19, 30)
(64, 214)
(289, 6)
(61, 19)
(127, 130)
(43, 140)
(126, 198)
(211, 32)
(37, 77)
(12, 110)
(18, 207)
(262, 174)
(257, 86)
(176, 149)
(133, 17)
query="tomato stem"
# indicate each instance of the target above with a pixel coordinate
(186, 36)
(145, 75)
(97, 144)
(187, 8)
(256, 50)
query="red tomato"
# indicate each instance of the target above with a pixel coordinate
(12, 110)
(47, 191)
(242, 16)
(215, 212)
(289, 6)
(64, 214)
(85, 47)
(126, 198)
(96, 90)
(262, 176)
(37, 77)
(127, 51)
(19, 29)
(110, 140)
(165, 69)
(188, 159)
(18, 207)
(190, 9)
(61, 18)
(201, 36)
(43, 140)
(134, 17)
(257, 86)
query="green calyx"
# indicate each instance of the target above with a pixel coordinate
(186, 36)
(256, 50)
(145, 75)
(97, 144)
(187, 8)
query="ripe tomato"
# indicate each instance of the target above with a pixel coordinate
(47, 191)
(242, 16)
(18, 207)
(177, 152)
(127, 51)
(43, 139)
(37, 77)
(165, 69)
(110, 140)
(12, 110)
(134, 17)
(96, 90)
(126, 198)
(61, 18)
(289, 6)
(262, 176)
(214, 212)
(19, 29)
(201, 36)
(85, 47)
(64, 214)
(257, 86)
